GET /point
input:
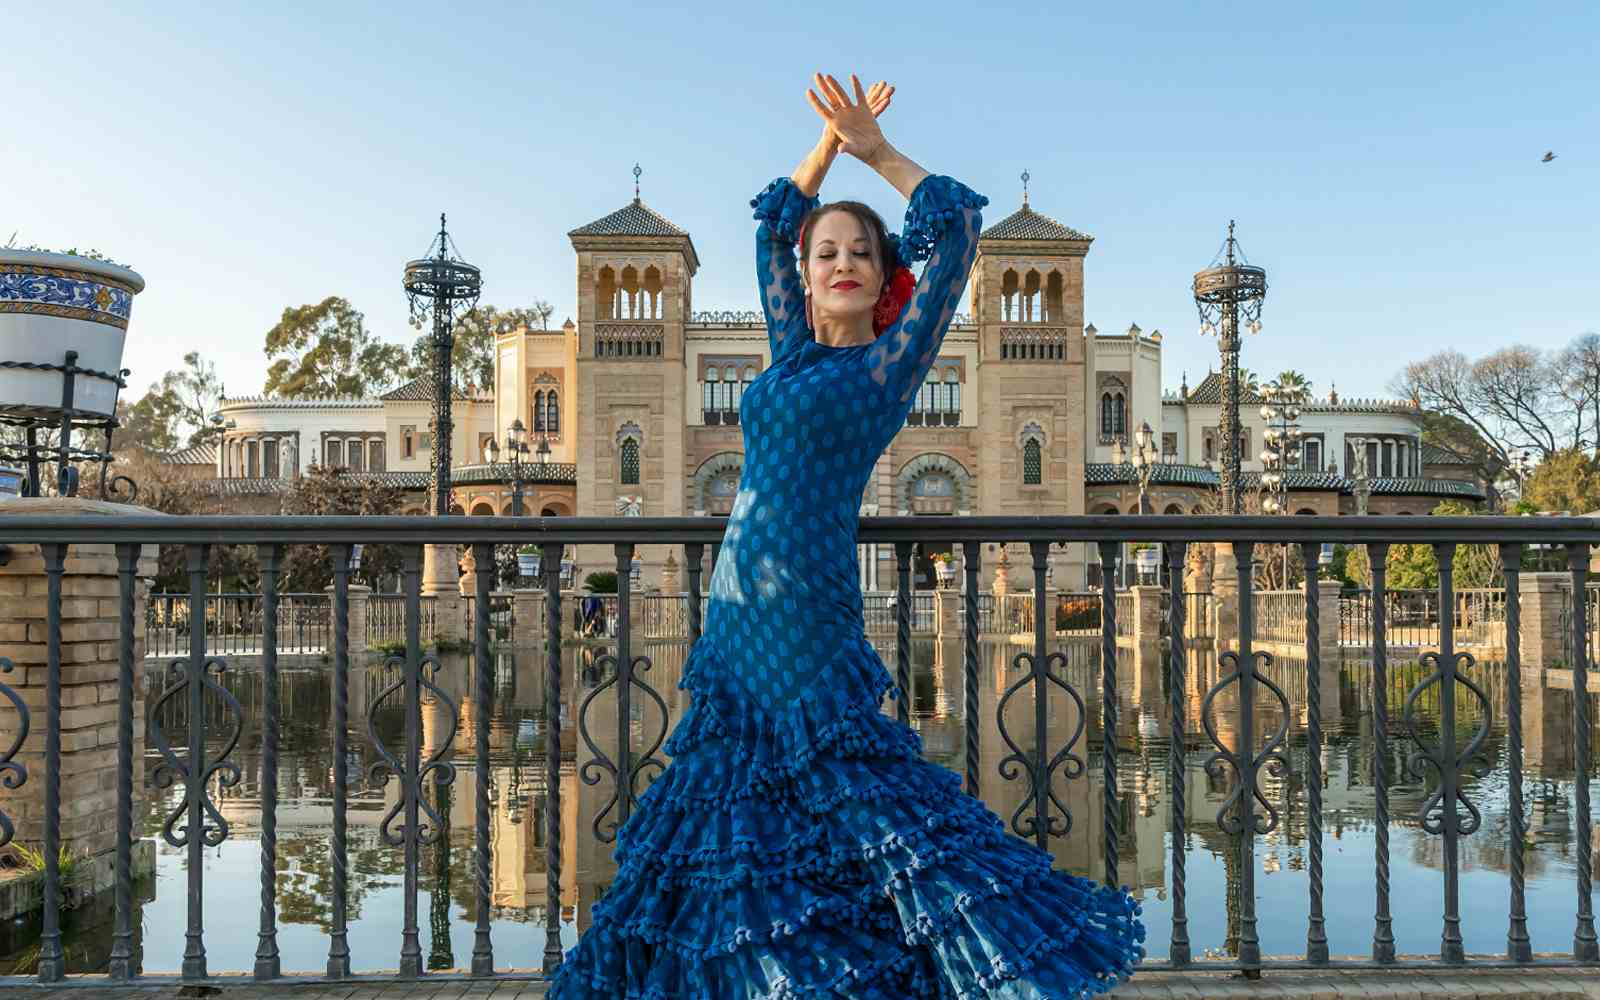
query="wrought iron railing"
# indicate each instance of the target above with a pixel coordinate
(234, 624)
(386, 619)
(1247, 755)
(1281, 615)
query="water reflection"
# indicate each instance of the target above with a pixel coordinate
(517, 731)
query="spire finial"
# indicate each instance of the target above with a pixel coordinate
(637, 170)
(1024, 187)
(1230, 241)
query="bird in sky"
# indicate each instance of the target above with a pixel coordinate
(1548, 157)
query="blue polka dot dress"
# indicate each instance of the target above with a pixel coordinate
(798, 846)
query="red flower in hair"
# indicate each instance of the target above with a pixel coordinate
(897, 292)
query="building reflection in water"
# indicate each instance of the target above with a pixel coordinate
(518, 823)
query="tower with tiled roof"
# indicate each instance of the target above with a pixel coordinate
(635, 269)
(1027, 301)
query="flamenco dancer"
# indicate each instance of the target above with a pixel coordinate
(798, 846)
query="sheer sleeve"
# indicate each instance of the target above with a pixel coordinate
(783, 301)
(942, 225)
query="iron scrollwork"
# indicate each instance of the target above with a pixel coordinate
(600, 766)
(13, 774)
(174, 769)
(389, 762)
(1245, 762)
(1442, 755)
(1043, 824)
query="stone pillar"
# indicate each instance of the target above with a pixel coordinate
(1225, 597)
(358, 617)
(528, 611)
(440, 573)
(1544, 601)
(1148, 663)
(1328, 619)
(947, 608)
(90, 663)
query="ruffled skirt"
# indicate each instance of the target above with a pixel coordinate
(811, 852)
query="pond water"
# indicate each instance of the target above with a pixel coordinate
(516, 732)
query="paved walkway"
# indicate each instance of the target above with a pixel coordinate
(1531, 983)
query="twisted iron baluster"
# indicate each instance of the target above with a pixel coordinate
(1383, 922)
(52, 963)
(121, 965)
(410, 779)
(267, 959)
(1316, 932)
(1176, 662)
(902, 652)
(552, 756)
(1438, 814)
(1584, 945)
(693, 552)
(624, 567)
(970, 708)
(483, 667)
(1237, 814)
(1108, 699)
(338, 935)
(1518, 946)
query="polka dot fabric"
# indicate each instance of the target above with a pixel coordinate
(798, 846)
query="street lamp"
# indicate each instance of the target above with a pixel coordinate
(1142, 459)
(515, 467)
(1223, 292)
(447, 286)
(1281, 443)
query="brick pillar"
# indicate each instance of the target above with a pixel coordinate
(90, 650)
(1546, 710)
(1544, 601)
(450, 617)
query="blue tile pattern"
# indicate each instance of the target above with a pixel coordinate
(59, 292)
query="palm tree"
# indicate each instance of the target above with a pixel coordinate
(1292, 380)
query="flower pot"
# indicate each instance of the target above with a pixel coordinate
(946, 574)
(528, 563)
(53, 303)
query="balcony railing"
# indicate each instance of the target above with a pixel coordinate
(1241, 726)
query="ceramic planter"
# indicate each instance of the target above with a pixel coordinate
(52, 303)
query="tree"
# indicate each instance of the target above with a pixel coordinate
(1460, 438)
(1577, 374)
(1416, 567)
(1568, 480)
(326, 350)
(176, 410)
(473, 356)
(1517, 398)
(325, 491)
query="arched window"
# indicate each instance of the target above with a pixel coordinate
(552, 412)
(630, 462)
(708, 392)
(538, 410)
(1032, 463)
(1112, 419)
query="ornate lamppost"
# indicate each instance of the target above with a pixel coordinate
(447, 286)
(515, 467)
(1280, 450)
(1141, 459)
(1228, 291)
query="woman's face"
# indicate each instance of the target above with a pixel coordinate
(842, 272)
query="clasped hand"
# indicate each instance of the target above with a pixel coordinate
(851, 126)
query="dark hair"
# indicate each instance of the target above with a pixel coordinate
(871, 221)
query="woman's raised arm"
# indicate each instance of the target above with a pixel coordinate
(780, 207)
(942, 225)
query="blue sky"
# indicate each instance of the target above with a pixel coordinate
(1382, 159)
